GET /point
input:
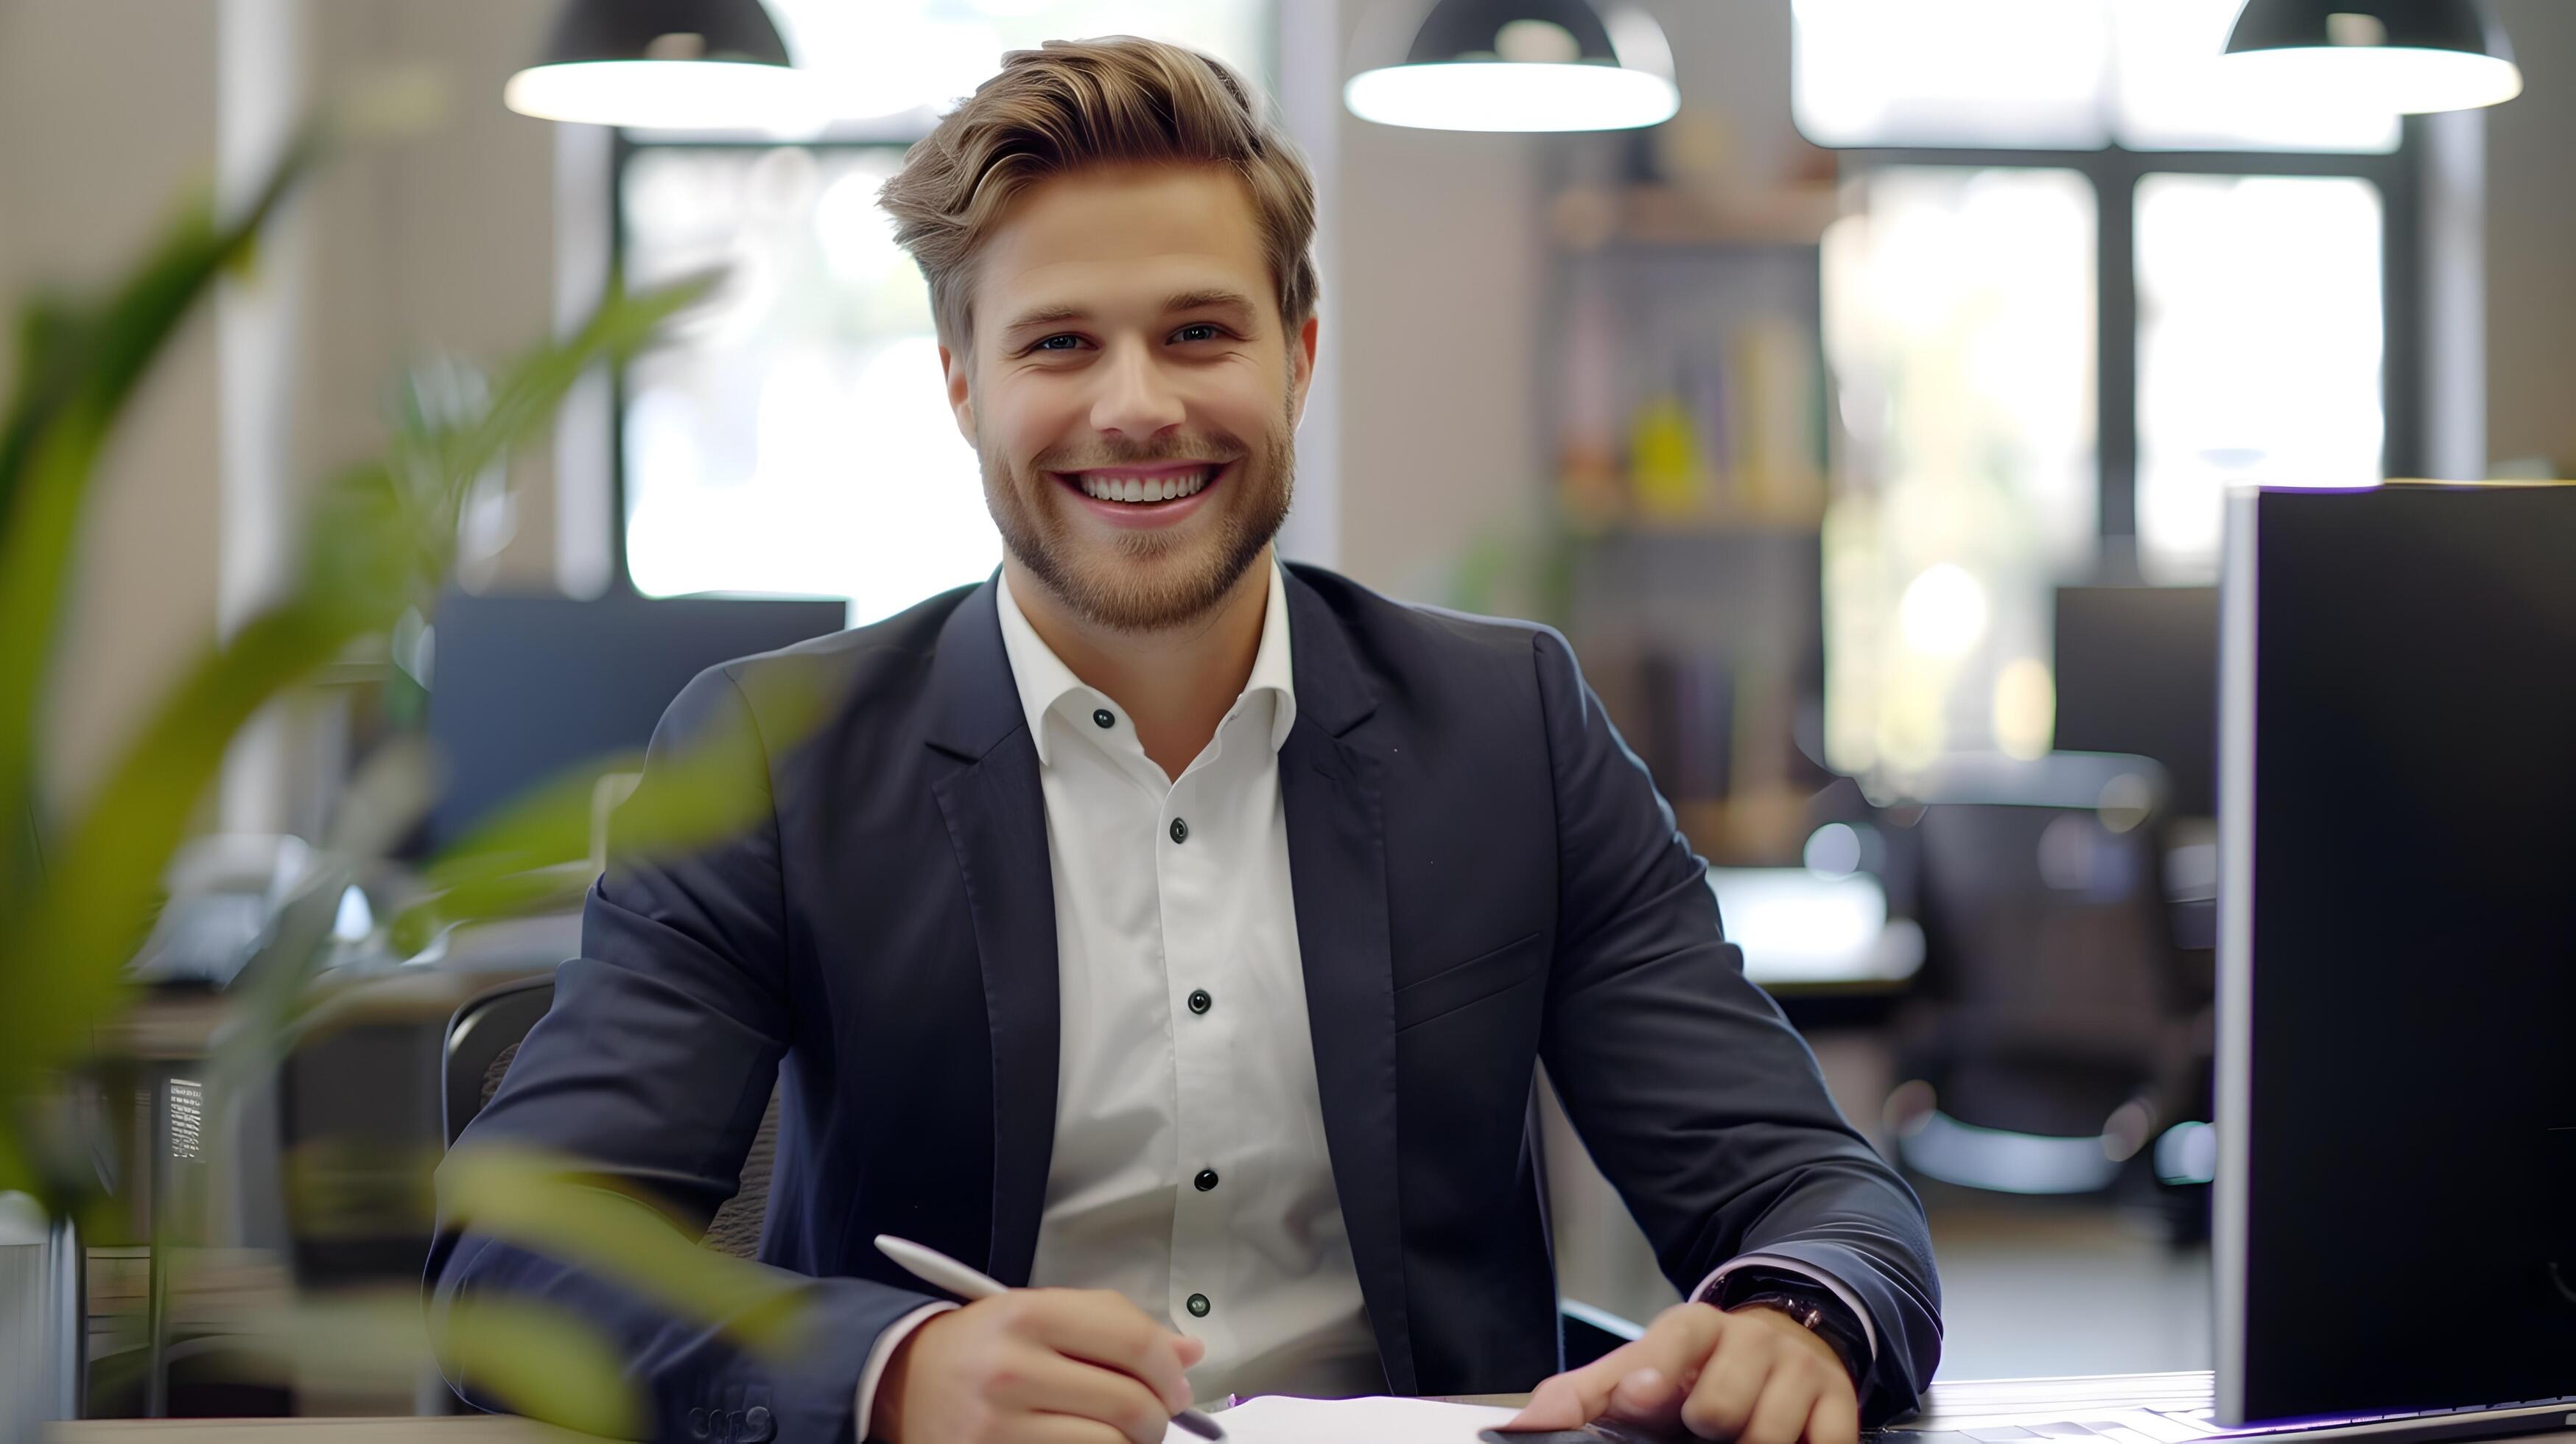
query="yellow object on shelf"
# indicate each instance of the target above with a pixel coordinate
(1666, 470)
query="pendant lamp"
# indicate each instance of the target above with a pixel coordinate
(2408, 56)
(1522, 65)
(678, 64)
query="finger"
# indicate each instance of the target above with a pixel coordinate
(1723, 1398)
(1039, 1382)
(1058, 1429)
(1673, 1347)
(1103, 1328)
(1557, 1403)
(1780, 1415)
(1649, 1397)
(1836, 1419)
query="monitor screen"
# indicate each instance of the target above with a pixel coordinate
(2396, 1207)
(525, 688)
(2137, 671)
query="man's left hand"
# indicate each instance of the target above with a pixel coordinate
(1755, 1376)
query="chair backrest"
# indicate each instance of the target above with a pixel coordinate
(483, 1039)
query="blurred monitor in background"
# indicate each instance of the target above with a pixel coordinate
(523, 689)
(2137, 672)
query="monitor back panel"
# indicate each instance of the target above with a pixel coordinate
(2397, 1211)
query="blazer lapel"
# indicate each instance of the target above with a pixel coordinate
(1330, 786)
(996, 818)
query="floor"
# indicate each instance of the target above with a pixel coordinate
(2034, 1288)
(2031, 1287)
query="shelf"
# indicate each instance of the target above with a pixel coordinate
(1729, 529)
(1590, 218)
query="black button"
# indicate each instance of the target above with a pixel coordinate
(1206, 1179)
(756, 1426)
(1103, 717)
(697, 1423)
(1198, 1306)
(1180, 830)
(1200, 1002)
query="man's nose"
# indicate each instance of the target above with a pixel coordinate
(1136, 398)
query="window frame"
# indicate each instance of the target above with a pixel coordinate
(2115, 172)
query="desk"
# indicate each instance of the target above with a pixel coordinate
(1946, 1404)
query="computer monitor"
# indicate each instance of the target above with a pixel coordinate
(2137, 671)
(2396, 1200)
(523, 688)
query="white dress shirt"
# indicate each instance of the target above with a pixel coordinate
(1189, 1165)
(1189, 1171)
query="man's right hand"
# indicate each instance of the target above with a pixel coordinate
(1052, 1366)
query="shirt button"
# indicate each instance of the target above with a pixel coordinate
(1180, 830)
(1198, 1306)
(1206, 1179)
(1200, 1002)
(1103, 717)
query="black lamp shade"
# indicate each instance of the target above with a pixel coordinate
(2467, 26)
(2409, 56)
(1472, 30)
(739, 31)
(689, 65)
(1516, 65)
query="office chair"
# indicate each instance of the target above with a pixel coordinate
(2056, 1010)
(485, 1035)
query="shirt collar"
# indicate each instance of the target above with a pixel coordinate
(1045, 681)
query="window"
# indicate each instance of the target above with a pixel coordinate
(2082, 284)
(2047, 74)
(797, 436)
(1959, 323)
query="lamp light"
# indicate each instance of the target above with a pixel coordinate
(1523, 65)
(677, 64)
(2408, 56)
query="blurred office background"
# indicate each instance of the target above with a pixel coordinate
(1865, 425)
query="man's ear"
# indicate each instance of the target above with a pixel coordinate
(961, 402)
(1301, 370)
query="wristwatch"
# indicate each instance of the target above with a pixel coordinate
(1811, 1304)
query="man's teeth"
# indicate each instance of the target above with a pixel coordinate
(1145, 488)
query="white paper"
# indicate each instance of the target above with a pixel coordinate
(1276, 1419)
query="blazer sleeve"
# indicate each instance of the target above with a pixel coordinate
(1695, 1097)
(654, 1067)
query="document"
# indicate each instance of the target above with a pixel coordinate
(1275, 1419)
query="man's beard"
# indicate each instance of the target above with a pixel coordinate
(1145, 580)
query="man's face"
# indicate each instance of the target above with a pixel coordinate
(1128, 345)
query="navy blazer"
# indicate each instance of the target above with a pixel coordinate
(1485, 879)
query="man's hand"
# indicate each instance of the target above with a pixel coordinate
(1054, 1366)
(1754, 1376)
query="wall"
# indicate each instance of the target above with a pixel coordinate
(99, 138)
(2531, 238)
(1437, 272)
(439, 237)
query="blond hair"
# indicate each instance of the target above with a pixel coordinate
(1078, 103)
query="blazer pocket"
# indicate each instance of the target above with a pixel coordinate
(1472, 981)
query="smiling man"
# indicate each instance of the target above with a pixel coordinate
(1174, 935)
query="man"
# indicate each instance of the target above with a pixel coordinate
(1177, 934)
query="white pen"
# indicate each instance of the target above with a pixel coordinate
(933, 1267)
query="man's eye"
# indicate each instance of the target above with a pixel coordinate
(1197, 331)
(1058, 343)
